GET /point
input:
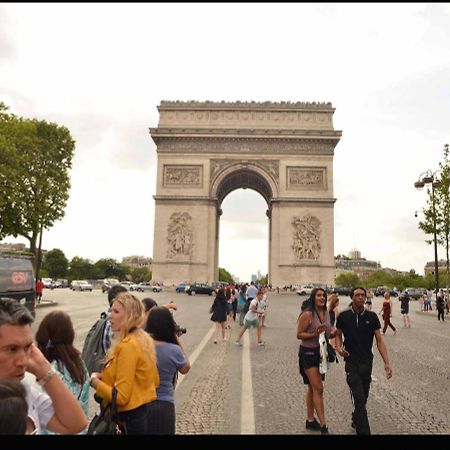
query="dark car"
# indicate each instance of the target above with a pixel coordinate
(415, 293)
(199, 288)
(179, 288)
(342, 290)
(380, 290)
(17, 280)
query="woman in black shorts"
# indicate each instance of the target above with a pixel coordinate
(313, 320)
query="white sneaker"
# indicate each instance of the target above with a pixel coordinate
(261, 344)
(237, 343)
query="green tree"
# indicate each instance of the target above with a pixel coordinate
(348, 279)
(55, 264)
(224, 275)
(440, 213)
(80, 269)
(35, 158)
(110, 268)
(139, 274)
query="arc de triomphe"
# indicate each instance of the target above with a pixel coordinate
(284, 151)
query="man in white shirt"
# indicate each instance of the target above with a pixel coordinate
(58, 410)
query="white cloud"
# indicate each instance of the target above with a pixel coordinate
(102, 69)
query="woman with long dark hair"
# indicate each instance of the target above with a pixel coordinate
(171, 358)
(219, 315)
(54, 338)
(312, 321)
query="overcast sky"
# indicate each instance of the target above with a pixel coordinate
(102, 69)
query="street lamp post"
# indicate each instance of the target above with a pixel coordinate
(429, 178)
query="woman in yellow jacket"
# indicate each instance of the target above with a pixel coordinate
(130, 365)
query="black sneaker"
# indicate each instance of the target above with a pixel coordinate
(324, 430)
(312, 425)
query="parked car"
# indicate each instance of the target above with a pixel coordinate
(181, 287)
(199, 288)
(81, 285)
(342, 290)
(61, 283)
(129, 285)
(415, 293)
(147, 286)
(380, 290)
(108, 283)
(48, 283)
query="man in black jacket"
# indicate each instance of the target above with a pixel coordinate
(359, 326)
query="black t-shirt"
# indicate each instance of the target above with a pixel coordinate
(404, 301)
(358, 330)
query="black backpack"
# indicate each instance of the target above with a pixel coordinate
(93, 350)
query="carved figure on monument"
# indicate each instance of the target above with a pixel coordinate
(180, 235)
(306, 237)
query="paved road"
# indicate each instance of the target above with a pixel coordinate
(249, 389)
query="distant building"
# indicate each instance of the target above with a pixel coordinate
(254, 277)
(354, 263)
(137, 261)
(14, 248)
(429, 267)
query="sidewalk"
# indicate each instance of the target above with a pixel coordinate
(45, 303)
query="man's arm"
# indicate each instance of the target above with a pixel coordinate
(69, 418)
(383, 352)
(339, 344)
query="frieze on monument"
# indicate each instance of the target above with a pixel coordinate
(306, 178)
(240, 146)
(180, 235)
(306, 237)
(181, 175)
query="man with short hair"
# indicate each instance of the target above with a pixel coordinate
(57, 410)
(359, 326)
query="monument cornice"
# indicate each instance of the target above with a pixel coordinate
(240, 106)
(211, 133)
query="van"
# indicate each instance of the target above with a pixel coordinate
(17, 280)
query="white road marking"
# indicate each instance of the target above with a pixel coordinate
(247, 407)
(195, 354)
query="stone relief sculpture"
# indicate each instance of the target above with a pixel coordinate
(306, 237)
(306, 177)
(182, 176)
(180, 235)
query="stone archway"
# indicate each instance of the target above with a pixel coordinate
(206, 150)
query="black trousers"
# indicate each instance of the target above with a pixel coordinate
(359, 377)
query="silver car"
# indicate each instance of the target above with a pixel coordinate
(146, 286)
(81, 285)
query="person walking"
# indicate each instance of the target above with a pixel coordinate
(251, 319)
(440, 305)
(54, 339)
(386, 311)
(355, 330)
(404, 308)
(130, 365)
(313, 320)
(39, 289)
(171, 358)
(219, 314)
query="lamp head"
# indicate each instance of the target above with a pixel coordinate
(427, 179)
(419, 185)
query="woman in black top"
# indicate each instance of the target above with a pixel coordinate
(219, 315)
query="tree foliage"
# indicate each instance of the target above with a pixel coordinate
(224, 275)
(139, 274)
(348, 279)
(439, 213)
(110, 268)
(80, 269)
(35, 158)
(55, 264)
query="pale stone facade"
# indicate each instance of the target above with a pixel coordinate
(206, 150)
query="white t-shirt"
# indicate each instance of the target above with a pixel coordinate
(40, 406)
(253, 315)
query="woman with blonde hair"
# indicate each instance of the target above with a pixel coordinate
(130, 365)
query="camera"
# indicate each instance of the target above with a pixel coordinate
(180, 330)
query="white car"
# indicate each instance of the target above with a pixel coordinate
(146, 286)
(129, 285)
(305, 289)
(81, 285)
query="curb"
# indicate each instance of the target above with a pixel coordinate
(45, 303)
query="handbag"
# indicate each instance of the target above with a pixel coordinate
(108, 422)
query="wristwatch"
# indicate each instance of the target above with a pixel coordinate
(43, 381)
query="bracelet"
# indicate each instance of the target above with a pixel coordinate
(46, 378)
